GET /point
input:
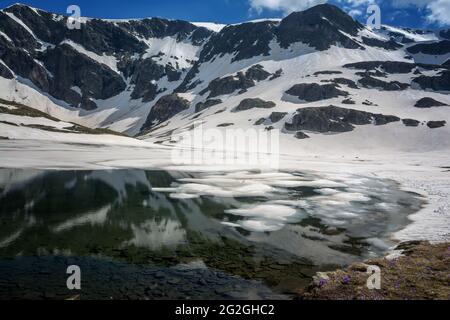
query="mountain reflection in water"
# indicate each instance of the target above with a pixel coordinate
(278, 228)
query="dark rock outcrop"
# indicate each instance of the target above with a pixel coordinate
(247, 40)
(277, 116)
(428, 103)
(372, 83)
(241, 81)
(387, 66)
(388, 45)
(257, 73)
(301, 135)
(410, 122)
(223, 125)
(228, 85)
(207, 104)
(144, 74)
(4, 72)
(17, 33)
(248, 104)
(436, 124)
(260, 121)
(445, 34)
(55, 67)
(318, 73)
(334, 119)
(70, 68)
(434, 48)
(161, 28)
(440, 82)
(164, 109)
(320, 27)
(348, 101)
(276, 75)
(25, 65)
(398, 37)
(344, 81)
(314, 92)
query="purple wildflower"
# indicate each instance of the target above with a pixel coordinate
(346, 279)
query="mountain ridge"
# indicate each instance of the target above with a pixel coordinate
(112, 73)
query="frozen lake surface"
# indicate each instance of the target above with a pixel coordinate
(257, 234)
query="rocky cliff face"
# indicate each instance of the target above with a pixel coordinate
(134, 76)
(98, 61)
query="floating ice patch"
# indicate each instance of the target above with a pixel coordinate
(183, 196)
(261, 225)
(268, 201)
(321, 183)
(268, 211)
(264, 217)
(326, 191)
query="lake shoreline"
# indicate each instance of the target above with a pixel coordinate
(420, 272)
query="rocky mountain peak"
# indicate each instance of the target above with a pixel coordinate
(320, 27)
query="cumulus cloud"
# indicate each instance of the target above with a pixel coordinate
(409, 3)
(355, 12)
(285, 6)
(439, 11)
(435, 11)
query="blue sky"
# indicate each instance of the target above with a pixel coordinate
(408, 13)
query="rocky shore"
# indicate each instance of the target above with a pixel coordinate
(420, 272)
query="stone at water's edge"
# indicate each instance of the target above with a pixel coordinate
(421, 272)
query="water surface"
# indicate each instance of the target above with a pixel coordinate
(151, 234)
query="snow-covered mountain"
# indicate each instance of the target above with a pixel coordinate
(311, 74)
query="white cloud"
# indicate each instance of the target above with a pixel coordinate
(409, 3)
(435, 11)
(357, 3)
(286, 6)
(355, 12)
(439, 11)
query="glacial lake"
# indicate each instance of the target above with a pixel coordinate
(153, 234)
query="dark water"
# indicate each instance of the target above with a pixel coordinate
(140, 234)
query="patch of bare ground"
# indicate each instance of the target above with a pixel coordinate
(422, 272)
